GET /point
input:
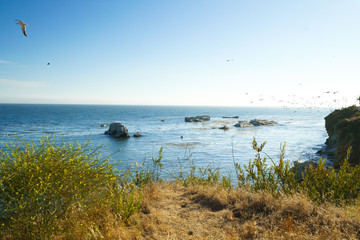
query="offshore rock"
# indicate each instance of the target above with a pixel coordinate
(258, 122)
(343, 128)
(137, 134)
(225, 127)
(197, 118)
(117, 130)
(231, 117)
(243, 124)
(255, 122)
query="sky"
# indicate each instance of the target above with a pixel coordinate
(300, 53)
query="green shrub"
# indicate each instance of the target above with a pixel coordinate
(126, 201)
(143, 174)
(320, 183)
(326, 184)
(202, 176)
(257, 175)
(41, 182)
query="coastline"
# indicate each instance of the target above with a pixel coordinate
(206, 143)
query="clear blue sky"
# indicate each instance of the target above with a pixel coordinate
(181, 52)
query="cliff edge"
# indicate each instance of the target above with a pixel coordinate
(343, 128)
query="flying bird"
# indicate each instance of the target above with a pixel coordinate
(48, 63)
(23, 26)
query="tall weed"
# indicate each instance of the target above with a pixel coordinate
(258, 175)
(144, 174)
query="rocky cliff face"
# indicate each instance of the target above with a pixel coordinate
(343, 128)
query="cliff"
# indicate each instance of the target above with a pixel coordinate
(343, 128)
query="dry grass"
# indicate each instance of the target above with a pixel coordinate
(171, 211)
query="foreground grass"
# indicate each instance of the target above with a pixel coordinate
(52, 190)
(172, 211)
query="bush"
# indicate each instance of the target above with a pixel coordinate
(257, 175)
(320, 183)
(41, 182)
(326, 184)
(143, 174)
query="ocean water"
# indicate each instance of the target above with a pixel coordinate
(203, 143)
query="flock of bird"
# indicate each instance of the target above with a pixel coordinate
(326, 99)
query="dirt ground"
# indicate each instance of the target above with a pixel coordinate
(180, 214)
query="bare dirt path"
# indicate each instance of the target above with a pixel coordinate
(179, 213)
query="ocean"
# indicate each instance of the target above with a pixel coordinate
(203, 143)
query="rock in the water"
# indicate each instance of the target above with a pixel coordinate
(137, 134)
(225, 127)
(258, 122)
(103, 125)
(231, 117)
(197, 118)
(255, 122)
(117, 130)
(300, 167)
(243, 124)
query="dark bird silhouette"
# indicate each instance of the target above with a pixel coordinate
(48, 63)
(23, 26)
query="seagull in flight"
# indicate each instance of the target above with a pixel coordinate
(23, 26)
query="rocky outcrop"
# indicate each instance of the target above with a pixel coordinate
(231, 117)
(137, 134)
(258, 122)
(225, 127)
(255, 122)
(117, 130)
(343, 128)
(243, 124)
(197, 118)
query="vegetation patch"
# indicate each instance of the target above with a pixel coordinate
(55, 190)
(49, 188)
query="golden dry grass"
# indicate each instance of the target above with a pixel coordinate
(171, 211)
